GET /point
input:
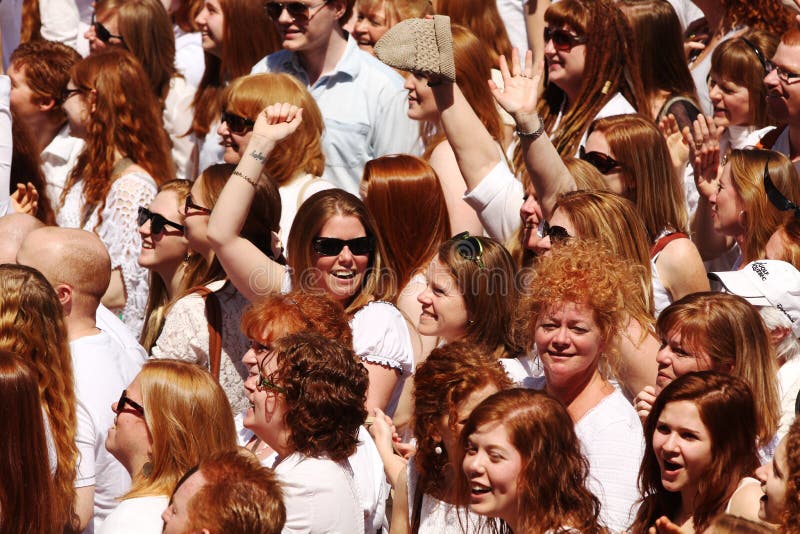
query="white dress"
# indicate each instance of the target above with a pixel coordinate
(185, 337)
(119, 232)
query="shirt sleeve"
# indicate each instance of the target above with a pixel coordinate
(6, 146)
(60, 21)
(497, 200)
(85, 441)
(380, 335)
(395, 133)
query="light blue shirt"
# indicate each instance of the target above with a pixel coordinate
(364, 106)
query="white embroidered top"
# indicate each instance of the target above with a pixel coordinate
(119, 231)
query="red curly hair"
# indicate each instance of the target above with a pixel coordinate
(125, 118)
(790, 521)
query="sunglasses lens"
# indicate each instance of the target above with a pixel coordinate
(274, 10)
(360, 246)
(558, 234)
(156, 223)
(143, 216)
(297, 10)
(328, 246)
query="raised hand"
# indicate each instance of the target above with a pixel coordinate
(278, 121)
(383, 431)
(703, 141)
(520, 87)
(676, 142)
(643, 402)
(25, 199)
(665, 526)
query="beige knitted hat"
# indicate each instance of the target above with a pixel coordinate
(424, 46)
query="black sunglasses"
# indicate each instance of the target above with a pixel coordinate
(469, 247)
(157, 222)
(298, 11)
(602, 162)
(189, 204)
(123, 401)
(66, 93)
(236, 123)
(776, 197)
(563, 41)
(103, 34)
(557, 234)
(332, 246)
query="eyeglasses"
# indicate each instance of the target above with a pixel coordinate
(67, 92)
(331, 246)
(563, 40)
(189, 204)
(298, 11)
(557, 234)
(602, 162)
(103, 34)
(157, 222)
(124, 400)
(469, 247)
(756, 50)
(784, 75)
(236, 123)
(776, 197)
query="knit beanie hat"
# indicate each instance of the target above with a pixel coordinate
(423, 46)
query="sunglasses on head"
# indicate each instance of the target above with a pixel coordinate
(602, 162)
(236, 123)
(563, 40)
(298, 11)
(189, 204)
(332, 246)
(103, 34)
(125, 401)
(776, 197)
(157, 222)
(557, 234)
(469, 247)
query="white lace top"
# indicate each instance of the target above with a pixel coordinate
(119, 231)
(185, 337)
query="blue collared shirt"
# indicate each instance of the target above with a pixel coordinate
(364, 106)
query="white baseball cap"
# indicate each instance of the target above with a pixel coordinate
(766, 283)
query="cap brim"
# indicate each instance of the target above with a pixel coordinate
(738, 283)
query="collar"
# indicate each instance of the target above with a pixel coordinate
(62, 146)
(349, 64)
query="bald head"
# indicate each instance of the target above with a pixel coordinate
(13, 229)
(69, 256)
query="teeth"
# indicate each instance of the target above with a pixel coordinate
(480, 489)
(344, 275)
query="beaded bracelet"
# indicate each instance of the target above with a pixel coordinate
(533, 136)
(247, 179)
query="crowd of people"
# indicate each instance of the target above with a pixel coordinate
(400, 266)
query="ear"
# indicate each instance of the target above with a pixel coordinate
(64, 293)
(45, 103)
(742, 218)
(339, 6)
(778, 334)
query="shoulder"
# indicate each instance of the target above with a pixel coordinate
(135, 178)
(617, 105)
(613, 411)
(279, 61)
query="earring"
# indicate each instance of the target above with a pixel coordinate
(438, 450)
(187, 257)
(470, 322)
(147, 469)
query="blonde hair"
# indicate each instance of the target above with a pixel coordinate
(300, 152)
(32, 326)
(188, 418)
(398, 10)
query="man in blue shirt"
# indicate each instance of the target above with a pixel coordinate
(362, 100)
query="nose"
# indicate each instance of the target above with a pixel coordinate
(284, 17)
(200, 19)
(473, 465)
(251, 382)
(549, 47)
(715, 93)
(664, 356)
(762, 473)
(561, 336)
(345, 256)
(249, 357)
(222, 129)
(409, 85)
(671, 444)
(359, 27)
(771, 79)
(530, 208)
(424, 297)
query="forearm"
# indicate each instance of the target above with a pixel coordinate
(476, 151)
(534, 23)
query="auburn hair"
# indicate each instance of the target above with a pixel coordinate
(790, 234)
(240, 51)
(790, 519)
(768, 15)
(26, 167)
(729, 331)
(300, 152)
(610, 68)
(123, 119)
(397, 10)
(483, 20)
(32, 326)
(405, 198)
(727, 410)
(551, 485)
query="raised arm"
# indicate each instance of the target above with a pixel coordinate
(6, 146)
(548, 173)
(251, 271)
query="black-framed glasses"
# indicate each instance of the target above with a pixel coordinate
(332, 246)
(189, 204)
(236, 123)
(125, 401)
(557, 234)
(469, 247)
(298, 11)
(157, 222)
(563, 40)
(776, 197)
(66, 93)
(103, 34)
(602, 162)
(757, 51)
(786, 76)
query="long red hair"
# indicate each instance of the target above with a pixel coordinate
(125, 117)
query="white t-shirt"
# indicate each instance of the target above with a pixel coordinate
(58, 159)
(189, 58)
(290, 199)
(98, 364)
(135, 355)
(140, 515)
(320, 496)
(178, 115)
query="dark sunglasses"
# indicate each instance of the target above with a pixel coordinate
(298, 11)
(189, 204)
(331, 246)
(602, 162)
(66, 93)
(157, 222)
(557, 234)
(103, 34)
(236, 123)
(469, 247)
(123, 401)
(776, 197)
(563, 41)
